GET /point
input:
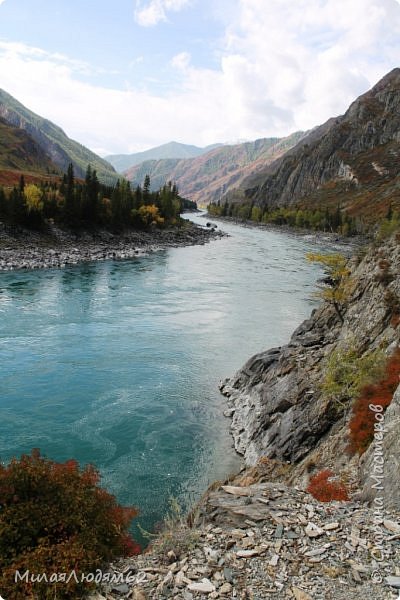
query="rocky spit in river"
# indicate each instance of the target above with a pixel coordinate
(55, 248)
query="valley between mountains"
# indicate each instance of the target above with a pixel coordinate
(314, 512)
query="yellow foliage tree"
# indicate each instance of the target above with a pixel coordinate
(33, 198)
(334, 289)
(150, 215)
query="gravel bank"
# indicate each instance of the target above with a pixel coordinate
(57, 248)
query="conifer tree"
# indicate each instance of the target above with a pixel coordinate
(146, 190)
(70, 209)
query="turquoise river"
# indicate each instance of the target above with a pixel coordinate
(118, 363)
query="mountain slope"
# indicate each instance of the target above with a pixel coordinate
(206, 178)
(351, 161)
(52, 139)
(19, 151)
(122, 162)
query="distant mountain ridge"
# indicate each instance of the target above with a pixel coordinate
(351, 161)
(171, 150)
(60, 149)
(207, 177)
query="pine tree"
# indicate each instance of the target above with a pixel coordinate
(90, 197)
(70, 208)
(146, 190)
(17, 210)
(3, 204)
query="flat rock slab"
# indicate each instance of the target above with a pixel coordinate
(237, 491)
(205, 586)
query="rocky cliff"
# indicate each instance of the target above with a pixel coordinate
(350, 161)
(279, 407)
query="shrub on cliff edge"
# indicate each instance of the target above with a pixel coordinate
(347, 371)
(54, 518)
(326, 489)
(379, 394)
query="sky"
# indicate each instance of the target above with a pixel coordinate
(128, 75)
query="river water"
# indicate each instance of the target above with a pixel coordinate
(117, 363)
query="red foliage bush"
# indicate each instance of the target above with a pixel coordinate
(380, 394)
(54, 518)
(325, 490)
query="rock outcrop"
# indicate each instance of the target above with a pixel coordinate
(278, 407)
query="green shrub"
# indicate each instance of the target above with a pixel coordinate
(347, 372)
(336, 291)
(388, 226)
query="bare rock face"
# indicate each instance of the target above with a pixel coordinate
(274, 395)
(276, 401)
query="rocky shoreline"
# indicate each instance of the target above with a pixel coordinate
(344, 244)
(58, 248)
(260, 541)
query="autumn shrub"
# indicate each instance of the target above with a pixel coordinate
(54, 518)
(325, 488)
(379, 394)
(150, 215)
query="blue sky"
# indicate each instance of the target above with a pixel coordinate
(124, 76)
(108, 37)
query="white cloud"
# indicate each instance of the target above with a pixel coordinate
(152, 12)
(283, 66)
(298, 63)
(181, 61)
(17, 49)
